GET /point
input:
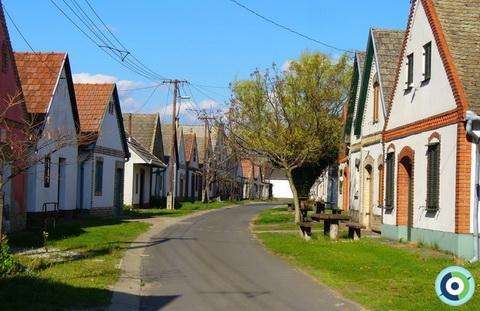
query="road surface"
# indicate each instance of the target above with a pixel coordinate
(212, 262)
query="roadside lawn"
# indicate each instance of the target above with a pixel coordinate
(379, 274)
(80, 263)
(185, 209)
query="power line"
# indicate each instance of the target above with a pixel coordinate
(269, 20)
(147, 100)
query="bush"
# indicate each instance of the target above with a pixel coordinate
(8, 264)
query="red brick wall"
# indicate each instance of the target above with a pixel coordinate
(404, 174)
(462, 198)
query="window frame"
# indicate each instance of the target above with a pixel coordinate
(99, 176)
(410, 68)
(427, 61)
(390, 181)
(433, 176)
(47, 171)
(376, 101)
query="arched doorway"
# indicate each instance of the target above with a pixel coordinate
(367, 195)
(405, 191)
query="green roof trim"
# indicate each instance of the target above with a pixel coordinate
(364, 87)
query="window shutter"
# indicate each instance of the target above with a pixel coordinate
(409, 70)
(433, 176)
(389, 183)
(427, 52)
(98, 176)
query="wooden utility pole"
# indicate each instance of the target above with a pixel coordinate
(172, 164)
(205, 169)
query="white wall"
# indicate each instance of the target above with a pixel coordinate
(60, 127)
(106, 199)
(132, 168)
(444, 219)
(425, 100)
(355, 195)
(281, 188)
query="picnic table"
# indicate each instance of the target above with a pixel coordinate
(331, 222)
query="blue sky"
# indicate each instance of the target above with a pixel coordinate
(208, 42)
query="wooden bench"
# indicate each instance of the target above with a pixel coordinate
(330, 223)
(354, 230)
(306, 229)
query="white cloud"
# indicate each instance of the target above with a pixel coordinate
(208, 104)
(286, 65)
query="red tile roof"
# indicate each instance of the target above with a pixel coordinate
(92, 100)
(39, 73)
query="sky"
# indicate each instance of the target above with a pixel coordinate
(210, 43)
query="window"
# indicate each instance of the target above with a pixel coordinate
(136, 183)
(110, 108)
(390, 174)
(380, 185)
(427, 61)
(409, 81)
(376, 99)
(433, 176)
(5, 57)
(46, 171)
(98, 176)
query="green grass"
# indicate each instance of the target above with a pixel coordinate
(278, 219)
(185, 209)
(78, 282)
(378, 274)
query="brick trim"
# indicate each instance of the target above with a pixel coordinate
(462, 185)
(434, 135)
(431, 123)
(407, 153)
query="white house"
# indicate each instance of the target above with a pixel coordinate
(382, 54)
(431, 163)
(50, 98)
(102, 156)
(145, 171)
(280, 185)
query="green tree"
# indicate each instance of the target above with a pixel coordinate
(291, 117)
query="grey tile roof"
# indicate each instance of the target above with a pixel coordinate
(141, 127)
(460, 21)
(360, 61)
(167, 132)
(388, 46)
(142, 152)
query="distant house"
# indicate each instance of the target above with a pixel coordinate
(431, 149)
(280, 184)
(180, 160)
(50, 98)
(254, 186)
(366, 149)
(102, 158)
(194, 176)
(14, 113)
(145, 171)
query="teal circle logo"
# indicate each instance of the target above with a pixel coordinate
(455, 286)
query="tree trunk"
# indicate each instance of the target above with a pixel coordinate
(296, 201)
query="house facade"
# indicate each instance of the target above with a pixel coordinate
(14, 115)
(145, 172)
(194, 175)
(103, 151)
(382, 53)
(50, 99)
(431, 161)
(175, 148)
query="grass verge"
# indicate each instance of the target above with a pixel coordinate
(81, 263)
(378, 274)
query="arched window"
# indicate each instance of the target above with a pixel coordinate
(433, 172)
(376, 100)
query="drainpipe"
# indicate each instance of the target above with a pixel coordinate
(470, 118)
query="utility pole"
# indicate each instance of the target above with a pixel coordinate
(173, 165)
(205, 169)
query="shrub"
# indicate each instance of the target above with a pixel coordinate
(8, 264)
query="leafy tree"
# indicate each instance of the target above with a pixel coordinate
(291, 117)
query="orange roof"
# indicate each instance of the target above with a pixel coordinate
(190, 141)
(92, 100)
(38, 75)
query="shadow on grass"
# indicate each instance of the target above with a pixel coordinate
(63, 229)
(33, 293)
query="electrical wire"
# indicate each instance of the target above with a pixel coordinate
(147, 100)
(289, 29)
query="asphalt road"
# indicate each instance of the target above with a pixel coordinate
(212, 262)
